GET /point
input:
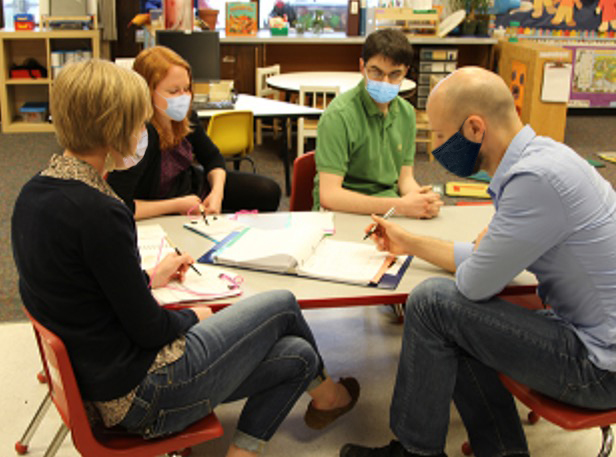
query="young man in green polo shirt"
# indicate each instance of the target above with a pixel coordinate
(366, 139)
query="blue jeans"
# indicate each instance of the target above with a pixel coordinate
(454, 348)
(261, 348)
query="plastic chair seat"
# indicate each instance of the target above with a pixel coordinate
(95, 441)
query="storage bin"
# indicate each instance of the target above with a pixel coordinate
(34, 112)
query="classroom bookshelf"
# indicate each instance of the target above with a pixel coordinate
(15, 48)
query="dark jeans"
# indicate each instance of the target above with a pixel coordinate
(454, 348)
(260, 348)
(247, 191)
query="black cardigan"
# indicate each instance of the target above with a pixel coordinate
(142, 181)
(80, 276)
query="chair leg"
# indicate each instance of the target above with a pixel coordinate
(57, 441)
(259, 129)
(22, 445)
(608, 441)
(252, 162)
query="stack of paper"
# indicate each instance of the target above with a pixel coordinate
(213, 283)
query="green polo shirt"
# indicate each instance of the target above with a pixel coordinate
(355, 140)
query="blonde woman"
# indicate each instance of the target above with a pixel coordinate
(166, 180)
(150, 370)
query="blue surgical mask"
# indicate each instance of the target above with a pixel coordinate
(142, 145)
(458, 154)
(177, 107)
(382, 91)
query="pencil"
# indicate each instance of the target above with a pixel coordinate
(178, 252)
(387, 215)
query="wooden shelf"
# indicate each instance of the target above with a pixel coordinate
(27, 81)
(27, 127)
(15, 48)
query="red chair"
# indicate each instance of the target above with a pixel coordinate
(565, 416)
(302, 184)
(103, 443)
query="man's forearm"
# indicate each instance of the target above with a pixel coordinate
(350, 201)
(432, 250)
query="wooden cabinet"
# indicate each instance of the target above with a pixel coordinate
(239, 63)
(15, 48)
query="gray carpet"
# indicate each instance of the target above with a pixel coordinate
(23, 155)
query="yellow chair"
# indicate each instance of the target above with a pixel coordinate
(316, 97)
(232, 132)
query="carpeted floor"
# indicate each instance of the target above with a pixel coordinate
(23, 155)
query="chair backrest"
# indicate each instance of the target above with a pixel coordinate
(69, 403)
(232, 132)
(317, 96)
(262, 73)
(304, 169)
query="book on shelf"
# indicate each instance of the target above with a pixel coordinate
(305, 250)
(241, 18)
(210, 284)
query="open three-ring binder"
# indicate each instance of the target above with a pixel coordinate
(307, 252)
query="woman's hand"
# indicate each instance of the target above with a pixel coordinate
(389, 236)
(213, 203)
(187, 203)
(173, 266)
(202, 312)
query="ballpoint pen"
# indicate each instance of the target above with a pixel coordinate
(178, 252)
(202, 209)
(387, 215)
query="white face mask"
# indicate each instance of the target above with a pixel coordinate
(177, 107)
(142, 145)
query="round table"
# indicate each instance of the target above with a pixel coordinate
(344, 79)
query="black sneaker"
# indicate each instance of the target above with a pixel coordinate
(393, 449)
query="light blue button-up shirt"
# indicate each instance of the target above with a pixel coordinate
(556, 217)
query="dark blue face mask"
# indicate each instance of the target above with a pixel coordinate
(458, 155)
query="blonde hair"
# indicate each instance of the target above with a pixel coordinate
(96, 104)
(154, 64)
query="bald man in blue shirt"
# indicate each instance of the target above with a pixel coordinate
(555, 217)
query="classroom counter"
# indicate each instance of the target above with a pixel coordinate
(264, 36)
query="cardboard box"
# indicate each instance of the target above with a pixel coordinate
(23, 21)
(241, 19)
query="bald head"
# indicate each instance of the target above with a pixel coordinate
(472, 90)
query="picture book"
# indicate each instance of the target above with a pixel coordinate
(304, 250)
(466, 189)
(609, 156)
(241, 18)
(209, 284)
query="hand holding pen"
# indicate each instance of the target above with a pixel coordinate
(178, 252)
(386, 216)
(388, 236)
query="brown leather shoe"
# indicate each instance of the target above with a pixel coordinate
(319, 418)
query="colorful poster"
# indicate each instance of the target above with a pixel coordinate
(241, 18)
(594, 77)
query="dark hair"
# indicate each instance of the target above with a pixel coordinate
(389, 43)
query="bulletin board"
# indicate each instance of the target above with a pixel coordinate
(593, 82)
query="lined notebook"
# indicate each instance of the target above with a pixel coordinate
(212, 284)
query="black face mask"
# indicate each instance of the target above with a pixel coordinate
(458, 155)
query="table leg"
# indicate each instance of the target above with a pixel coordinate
(286, 159)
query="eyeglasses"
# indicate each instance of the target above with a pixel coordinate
(376, 73)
